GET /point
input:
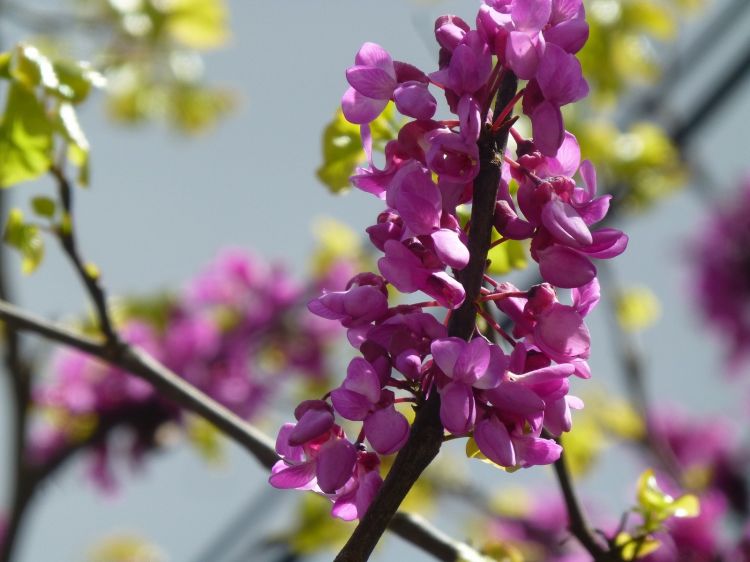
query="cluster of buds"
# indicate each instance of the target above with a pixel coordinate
(501, 395)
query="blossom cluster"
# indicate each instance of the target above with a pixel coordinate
(502, 396)
(722, 262)
(236, 331)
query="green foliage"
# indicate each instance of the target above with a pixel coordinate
(342, 148)
(153, 60)
(44, 206)
(39, 114)
(622, 42)
(25, 238)
(655, 507)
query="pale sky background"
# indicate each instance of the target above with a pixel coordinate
(161, 206)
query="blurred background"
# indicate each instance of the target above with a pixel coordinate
(172, 185)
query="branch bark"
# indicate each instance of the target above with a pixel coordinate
(260, 446)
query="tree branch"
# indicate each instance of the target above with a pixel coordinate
(260, 446)
(67, 237)
(426, 433)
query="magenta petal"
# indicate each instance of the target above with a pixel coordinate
(419, 205)
(494, 441)
(564, 267)
(495, 370)
(313, 423)
(566, 161)
(359, 109)
(350, 405)
(546, 374)
(369, 486)
(569, 35)
(562, 334)
(596, 210)
(607, 243)
(344, 507)
(298, 476)
(371, 82)
(523, 53)
(457, 408)
(401, 267)
(372, 54)
(534, 451)
(362, 378)
(472, 362)
(557, 418)
(586, 297)
(565, 224)
(450, 249)
(335, 464)
(387, 430)
(588, 173)
(560, 77)
(531, 14)
(547, 126)
(515, 398)
(284, 449)
(415, 100)
(445, 352)
(444, 289)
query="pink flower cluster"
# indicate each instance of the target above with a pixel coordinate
(235, 333)
(503, 397)
(721, 253)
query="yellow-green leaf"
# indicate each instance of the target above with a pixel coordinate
(201, 24)
(632, 548)
(44, 206)
(26, 239)
(25, 138)
(637, 309)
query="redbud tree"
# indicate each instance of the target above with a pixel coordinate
(480, 164)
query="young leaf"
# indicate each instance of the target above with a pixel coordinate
(26, 239)
(44, 206)
(25, 138)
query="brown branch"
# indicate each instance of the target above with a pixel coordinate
(578, 524)
(67, 237)
(259, 445)
(426, 433)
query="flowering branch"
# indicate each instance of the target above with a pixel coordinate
(260, 446)
(427, 432)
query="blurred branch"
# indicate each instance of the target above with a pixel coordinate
(19, 380)
(88, 273)
(260, 446)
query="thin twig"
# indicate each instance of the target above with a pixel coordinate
(578, 524)
(140, 363)
(90, 279)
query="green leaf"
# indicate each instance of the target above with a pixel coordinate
(342, 147)
(44, 206)
(77, 79)
(201, 24)
(632, 548)
(78, 144)
(31, 68)
(507, 256)
(25, 138)
(26, 239)
(658, 506)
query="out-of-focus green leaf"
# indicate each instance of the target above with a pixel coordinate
(342, 147)
(193, 109)
(632, 548)
(653, 18)
(77, 79)
(78, 144)
(201, 24)
(507, 256)
(206, 439)
(637, 308)
(26, 239)
(315, 529)
(31, 68)
(44, 206)
(125, 548)
(25, 137)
